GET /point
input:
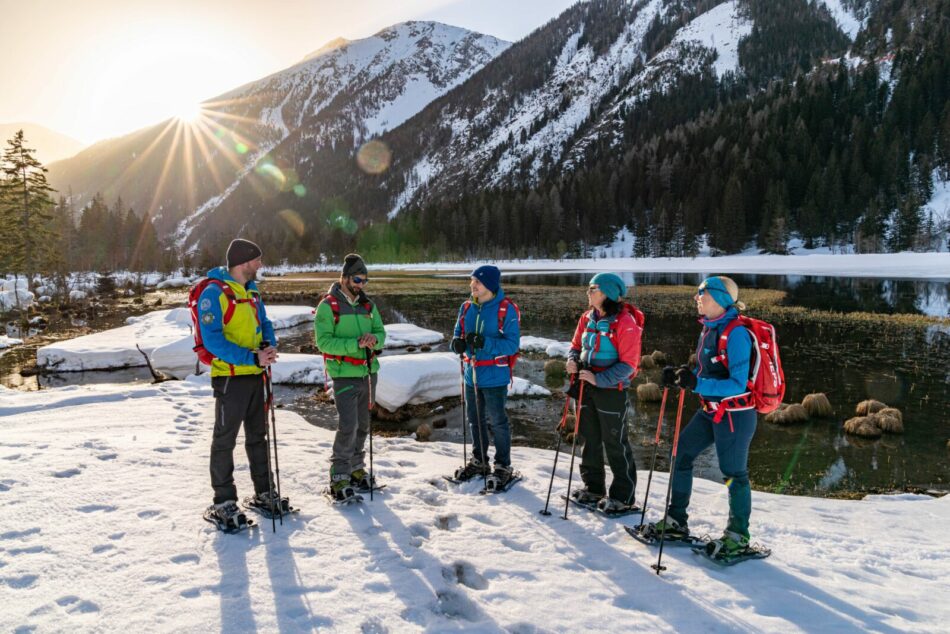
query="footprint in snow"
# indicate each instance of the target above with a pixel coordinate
(66, 473)
(464, 573)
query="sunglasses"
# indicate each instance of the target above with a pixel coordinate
(360, 280)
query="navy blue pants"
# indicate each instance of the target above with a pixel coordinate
(732, 448)
(493, 423)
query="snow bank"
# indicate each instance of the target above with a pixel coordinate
(126, 470)
(550, 347)
(10, 299)
(402, 335)
(9, 342)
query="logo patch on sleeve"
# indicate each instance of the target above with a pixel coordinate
(207, 318)
(205, 304)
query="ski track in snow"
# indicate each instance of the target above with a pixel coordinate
(101, 529)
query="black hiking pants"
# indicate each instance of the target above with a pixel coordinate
(238, 399)
(603, 426)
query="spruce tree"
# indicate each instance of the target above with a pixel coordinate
(26, 208)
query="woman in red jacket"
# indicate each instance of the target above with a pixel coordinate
(605, 353)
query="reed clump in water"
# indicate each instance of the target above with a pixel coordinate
(649, 393)
(817, 405)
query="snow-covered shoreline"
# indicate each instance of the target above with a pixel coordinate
(100, 529)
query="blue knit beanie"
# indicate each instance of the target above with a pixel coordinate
(489, 276)
(611, 285)
(716, 287)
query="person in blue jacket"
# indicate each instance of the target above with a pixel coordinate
(487, 336)
(727, 417)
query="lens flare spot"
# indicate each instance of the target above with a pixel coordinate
(342, 221)
(374, 157)
(273, 174)
(300, 190)
(240, 148)
(292, 220)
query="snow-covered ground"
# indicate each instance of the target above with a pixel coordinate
(102, 489)
(9, 342)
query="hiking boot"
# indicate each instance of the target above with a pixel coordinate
(268, 500)
(474, 468)
(341, 487)
(361, 480)
(499, 478)
(670, 528)
(729, 545)
(229, 514)
(609, 505)
(585, 496)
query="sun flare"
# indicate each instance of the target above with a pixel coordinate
(189, 113)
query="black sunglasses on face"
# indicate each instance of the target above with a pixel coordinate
(360, 280)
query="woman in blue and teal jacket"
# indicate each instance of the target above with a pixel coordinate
(727, 417)
(605, 354)
(487, 335)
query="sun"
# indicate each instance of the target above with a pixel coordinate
(189, 113)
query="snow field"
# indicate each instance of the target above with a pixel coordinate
(102, 489)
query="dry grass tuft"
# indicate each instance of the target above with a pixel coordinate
(659, 357)
(555, 368)
(817, 405)
(868, 407)
(423, 432)
(890, 420)
(794, 414)
(862, 426)
(647, 362)
(649, 393)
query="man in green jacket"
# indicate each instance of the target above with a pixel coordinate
(349, 334)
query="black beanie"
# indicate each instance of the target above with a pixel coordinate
(241, 251)
(353, 265)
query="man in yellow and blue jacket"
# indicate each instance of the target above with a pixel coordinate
(236, 330)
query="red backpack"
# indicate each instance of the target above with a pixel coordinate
(503, 306)
(766, 377)
(194, 294)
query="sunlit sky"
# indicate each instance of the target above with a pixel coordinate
(94, 69)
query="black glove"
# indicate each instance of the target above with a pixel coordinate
(685, 378)
(458, 345)
(574, 390)
(475, 340)
(669, 377)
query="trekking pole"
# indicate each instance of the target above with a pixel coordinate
(557, 450)
(482, 433)
(669, 485)
(656, 443)
(269, 405)
(464, 421)
(578, 406)
(369, 382)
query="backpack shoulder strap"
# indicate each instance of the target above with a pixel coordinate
(503, 313)
(334, 306)
(225, 288)
(463, 310)
(723, 341)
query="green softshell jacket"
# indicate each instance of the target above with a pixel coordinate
(339, 338)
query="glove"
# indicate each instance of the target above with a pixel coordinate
(458, 345)
(475, 340)
(574, 391)
(669, 377)
(685, 378)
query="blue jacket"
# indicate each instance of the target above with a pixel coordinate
(713, 381)
(219, 338)
(483, 319)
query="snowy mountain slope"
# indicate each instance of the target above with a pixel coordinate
(346, 90)
(579, 101)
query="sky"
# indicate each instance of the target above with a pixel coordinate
(101, 68)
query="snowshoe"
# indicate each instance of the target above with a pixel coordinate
(593, 507)
(227, 517)
(674, 533)
(362, 482)
(502, 479)
(731, 549)
(474, 469)
(268, 507)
